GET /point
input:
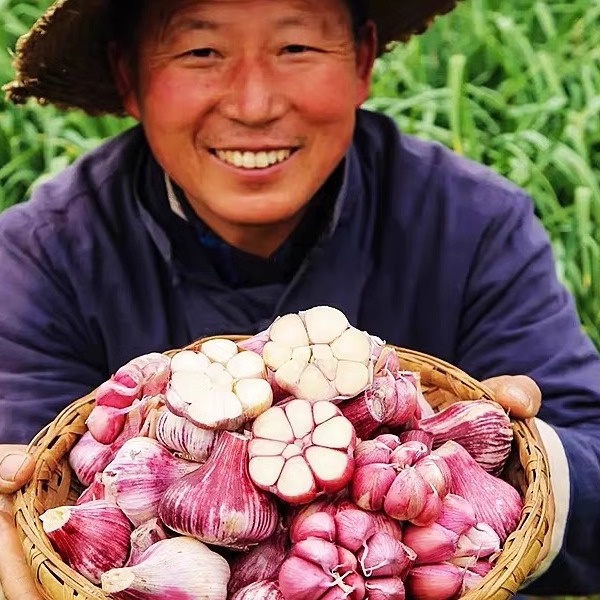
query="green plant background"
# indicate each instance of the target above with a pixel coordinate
(515, 85)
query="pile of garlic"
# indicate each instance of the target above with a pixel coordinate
(299, 464)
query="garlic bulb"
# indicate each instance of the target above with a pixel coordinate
(145, 375)
(138, 476)
(181, 435)
(317, 355)
(302, 449)
(179, 568)
(218, 503)
(481, 427)
(219, 387)
(494, 501)
(259, 590)
(91, 538)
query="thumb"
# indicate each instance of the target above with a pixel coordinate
(16, 468)
(518, 394)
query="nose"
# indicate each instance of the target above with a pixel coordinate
(254, 97)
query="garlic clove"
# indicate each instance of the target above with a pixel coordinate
(143, 537)
(289, 330)
(385, 588)
(317, 551)
(180, 567)
(255, 396)
(434, 582)
(385, 556)
(219, 350)
(479, 541)
(105, 423)
(351, 377)
(319, 525)
(352, 345)
(313, 385)
(91, 538)
(370, 485)
(190, 361)
(370, 452)
(406, 496)
(122, 388)
(457, 514)
(300, 579)
(276, 355)
(246, 365)
(353, 527)
(300, 417)
(494, 501)
(408, 454)
(324, 324)
(431, 511)
(432, 543)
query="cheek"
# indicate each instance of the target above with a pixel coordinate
(174, 97)
(326, 97)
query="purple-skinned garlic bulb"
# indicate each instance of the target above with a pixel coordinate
(179, 568)
(138, 476)
(91, 538)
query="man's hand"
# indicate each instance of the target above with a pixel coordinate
(16, 467)
(518, 394)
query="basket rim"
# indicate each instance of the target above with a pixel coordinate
(537, 499)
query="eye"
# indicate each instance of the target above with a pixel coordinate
(296, 49)
(202, 53)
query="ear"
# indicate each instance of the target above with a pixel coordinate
(366, 52)
(124, 77)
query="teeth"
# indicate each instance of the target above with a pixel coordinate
(253, 160)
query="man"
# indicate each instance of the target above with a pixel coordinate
(254, 187)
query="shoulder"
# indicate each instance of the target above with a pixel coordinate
(418, 175)
(73, 202)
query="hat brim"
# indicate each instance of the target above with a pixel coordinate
(63, 59)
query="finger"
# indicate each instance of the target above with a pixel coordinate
(16, 468)
(518, 394)
(15, 575)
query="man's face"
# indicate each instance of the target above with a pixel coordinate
(249, 105)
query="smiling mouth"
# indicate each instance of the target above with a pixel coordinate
(246, 159)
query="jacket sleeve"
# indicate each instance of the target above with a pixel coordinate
(46, 360)
(519, 319)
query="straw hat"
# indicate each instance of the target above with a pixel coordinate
(63, 58)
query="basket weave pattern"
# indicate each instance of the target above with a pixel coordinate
(53, 485)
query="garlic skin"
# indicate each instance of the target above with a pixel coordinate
(482, 427)
(224, 510)
(145, 375)
(441, 581)
(91, 538)
(494, 501)
(143, 537)
(138, 476)
(218, 395)
(88, 456)
(93, 492)
(179, 568)
(259, 590)
(262, 562)
(181, 435)
(432, 544)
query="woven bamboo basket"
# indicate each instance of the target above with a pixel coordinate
(53, 484)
